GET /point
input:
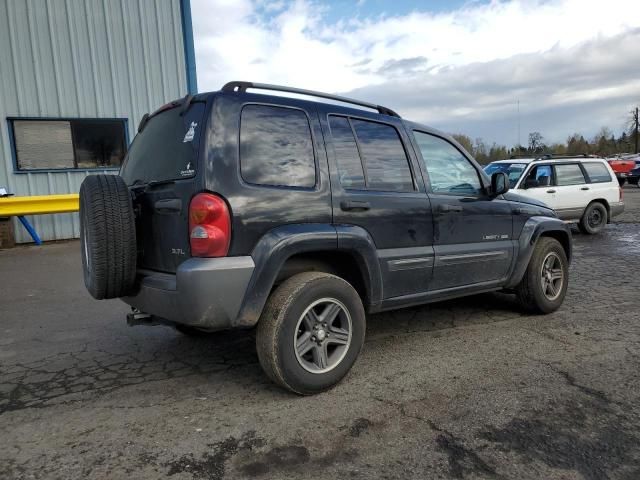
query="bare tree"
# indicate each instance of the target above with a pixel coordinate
(535, 142)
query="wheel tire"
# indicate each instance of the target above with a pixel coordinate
(107, 236)
(530, 291)
(593, 210)
(280, 324)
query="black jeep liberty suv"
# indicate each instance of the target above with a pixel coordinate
(296, 215)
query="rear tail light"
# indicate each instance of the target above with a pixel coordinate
(209, 226)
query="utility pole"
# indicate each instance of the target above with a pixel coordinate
(519, 144)
(636, 119)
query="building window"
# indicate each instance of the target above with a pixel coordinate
(45, 144)
(276, 147)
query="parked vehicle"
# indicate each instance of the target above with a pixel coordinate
(622, 166)
(235, 209)
(634, 175)
(580, 189)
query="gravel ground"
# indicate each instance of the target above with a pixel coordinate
(465, 389)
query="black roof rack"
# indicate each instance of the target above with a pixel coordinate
(549, 156)
(242, 87)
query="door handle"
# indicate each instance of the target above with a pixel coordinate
(347, 205)
(450, 208)
(168, 205)
(551, 191)
(584, 188)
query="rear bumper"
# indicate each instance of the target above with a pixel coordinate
(616, 208)
(205, 292)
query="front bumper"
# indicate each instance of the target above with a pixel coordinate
(616, 208)
(205, 292)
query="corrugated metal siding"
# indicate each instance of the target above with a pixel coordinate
(82, 59)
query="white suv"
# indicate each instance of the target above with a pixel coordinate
(580, 189)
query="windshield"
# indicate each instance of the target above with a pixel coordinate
(167, 147)
(513, 170)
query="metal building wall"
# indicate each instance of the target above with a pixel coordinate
(83, 59)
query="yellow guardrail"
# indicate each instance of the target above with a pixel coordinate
(39, 204)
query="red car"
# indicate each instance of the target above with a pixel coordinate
(622, 167)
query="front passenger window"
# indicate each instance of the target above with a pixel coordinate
(448, 169)
(538, 176)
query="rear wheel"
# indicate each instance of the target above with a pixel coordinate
(544, 285)
(594, 219)
(107, 236)
(310, 332)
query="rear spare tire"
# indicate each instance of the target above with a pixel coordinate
(107, 236)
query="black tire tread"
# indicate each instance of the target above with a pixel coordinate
(583, 224)
(271, 321)
(527, 291)
(106, 210)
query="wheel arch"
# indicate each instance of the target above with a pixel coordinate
(534, 228)
(291, 249)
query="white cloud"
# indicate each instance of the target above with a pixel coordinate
(523, 43)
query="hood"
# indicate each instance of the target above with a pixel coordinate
(514, 197)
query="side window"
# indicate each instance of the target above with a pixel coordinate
(597, 172)
(276, 147)
(538, 176)
(385, 161)
(448, 169)
(569, 175)
(347, 156)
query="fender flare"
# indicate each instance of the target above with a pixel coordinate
(533, 229)
(277, 245)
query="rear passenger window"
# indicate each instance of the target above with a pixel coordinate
(349, 165)
(569, 175)
(385, 161)
(597, 172)
(276, 147)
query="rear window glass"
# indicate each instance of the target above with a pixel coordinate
(569, 175)
(597, 172)
(276, 147)
(167, 147)
(348, 158)
(385, 160)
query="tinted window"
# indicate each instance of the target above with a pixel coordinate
(569, 175)
(347, 156)
(167, 147)
(385, 160)
(276, 147)
(75, 143)
(449, 171)
(597, 172)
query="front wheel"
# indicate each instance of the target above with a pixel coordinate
(594, 219)
(544, 285)
(310, 332)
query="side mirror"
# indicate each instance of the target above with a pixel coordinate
(499, 183)
(531, 183)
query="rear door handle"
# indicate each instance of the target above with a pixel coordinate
(168, 206)
(347, 205)
(551, 191)
(584, 188)
(450, 208)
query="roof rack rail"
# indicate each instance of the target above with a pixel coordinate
(238, 86)
(549, 156)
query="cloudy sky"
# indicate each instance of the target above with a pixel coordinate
(460, 66)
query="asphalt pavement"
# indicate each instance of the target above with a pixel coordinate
(466, 389)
